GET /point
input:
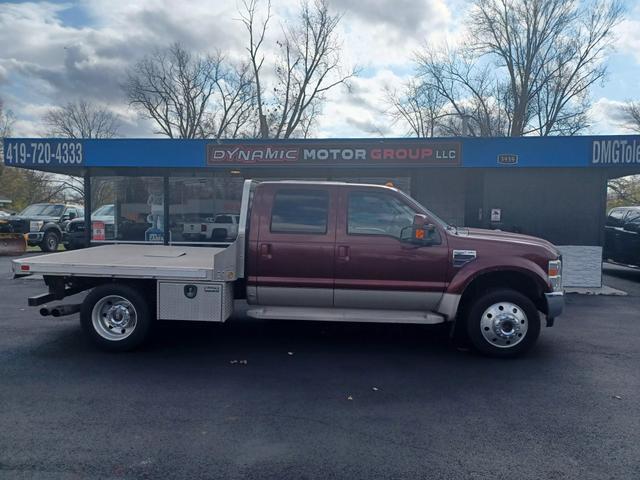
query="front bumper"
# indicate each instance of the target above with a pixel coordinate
(555, 306)
(34, 238)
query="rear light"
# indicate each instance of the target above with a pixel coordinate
(554, 273)
(24, 268)
(203, 227)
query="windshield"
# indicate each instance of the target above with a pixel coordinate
(42, 210)
(438, 220)
(104, 211)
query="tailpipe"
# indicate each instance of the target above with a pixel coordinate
(45, 312)
(63, 310)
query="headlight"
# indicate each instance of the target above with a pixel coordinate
(35, 225)
(554, 273)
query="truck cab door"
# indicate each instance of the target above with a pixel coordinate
(295, 246)
(374, 268)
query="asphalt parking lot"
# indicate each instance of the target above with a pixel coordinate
(320, 400)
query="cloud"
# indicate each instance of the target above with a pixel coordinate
(608, 116)
(405, 16)
(361, 112)
(53, 53)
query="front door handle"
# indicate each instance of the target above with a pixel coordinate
(343, 252)
(265, 250)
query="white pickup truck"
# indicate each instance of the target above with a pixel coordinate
(318, 251)
(221, 227)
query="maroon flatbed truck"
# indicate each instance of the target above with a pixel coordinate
(323, 251)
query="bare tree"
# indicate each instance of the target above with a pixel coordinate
(82, 119)
(631, 114)
(526, 66)
(6, 121)
(420, 108)
(475, 100)
(307, 66)
(191, 96)
(625, 190)
(231, 112)
(22, 186)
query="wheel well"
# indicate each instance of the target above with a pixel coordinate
(146, 287)
(55, 229)
(521, 282)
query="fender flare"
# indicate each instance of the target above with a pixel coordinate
(473, 270)
(52, 226)
(464, 277)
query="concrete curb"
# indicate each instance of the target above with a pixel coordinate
(604, 290)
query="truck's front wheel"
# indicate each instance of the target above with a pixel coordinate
(503, 323)
(115, 317)
(50, 241)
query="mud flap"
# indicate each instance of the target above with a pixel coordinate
(12, 244)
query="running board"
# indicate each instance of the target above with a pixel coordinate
(345, 315)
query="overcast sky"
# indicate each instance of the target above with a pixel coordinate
(54, 52)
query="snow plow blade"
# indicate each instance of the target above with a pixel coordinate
(12, 244)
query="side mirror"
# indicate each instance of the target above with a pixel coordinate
(72, 215)
(420, 232)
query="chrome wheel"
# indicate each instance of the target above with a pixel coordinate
(114, 317)
(504, 324)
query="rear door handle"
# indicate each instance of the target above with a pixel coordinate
(343, 252)
(265, 250)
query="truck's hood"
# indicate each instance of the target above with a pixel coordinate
(508, 237)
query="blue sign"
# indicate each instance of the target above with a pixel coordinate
(70, 155)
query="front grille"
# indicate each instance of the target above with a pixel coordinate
(15, 226)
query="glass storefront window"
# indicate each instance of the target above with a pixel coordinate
(127, 209)
(204, 209)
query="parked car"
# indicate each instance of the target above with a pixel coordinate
(320, 251)
(43, 223)
(74, 236)
(622, 236)
(221, 227)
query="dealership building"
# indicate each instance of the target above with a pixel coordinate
(552, 187)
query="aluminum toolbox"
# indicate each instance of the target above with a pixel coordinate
(201, 301)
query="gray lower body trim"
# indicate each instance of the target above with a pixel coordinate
(449, 305)
(386, 299)
(295, 297)
(345, 315)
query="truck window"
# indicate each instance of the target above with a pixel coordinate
(300, 211)
(372, 213)
(223, 219)
(615, 218)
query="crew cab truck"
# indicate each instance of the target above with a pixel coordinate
(318, 251)
(42, 223)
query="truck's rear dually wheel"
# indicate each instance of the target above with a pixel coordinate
(503, 323)
(116, 317)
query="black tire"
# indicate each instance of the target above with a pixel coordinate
(518, 339)
(50, 241)
(143, 317)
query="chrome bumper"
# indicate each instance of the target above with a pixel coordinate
(555, 306)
